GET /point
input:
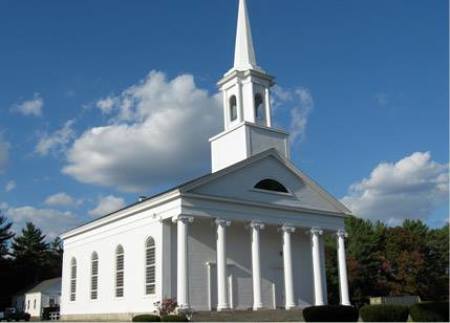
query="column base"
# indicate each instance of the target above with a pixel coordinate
(223, 308)
(258, 308)
(290, 307)
(346, 304)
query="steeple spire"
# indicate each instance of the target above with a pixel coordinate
(244, 54)
(247, 111)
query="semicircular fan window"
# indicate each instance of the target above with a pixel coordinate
(271, 185)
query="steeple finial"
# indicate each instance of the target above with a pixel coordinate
(244, 54)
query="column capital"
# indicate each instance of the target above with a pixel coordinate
(315, 231)
(341, 233)
(183, 218)
(288, 228)
(257, 225)
(222, 222)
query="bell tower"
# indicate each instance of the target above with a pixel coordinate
(246, 105)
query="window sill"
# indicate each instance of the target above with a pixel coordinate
(288, 194)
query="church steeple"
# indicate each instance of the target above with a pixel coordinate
(246, 105)
(244, 52)
(246, 85)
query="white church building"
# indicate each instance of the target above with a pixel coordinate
(249, 235)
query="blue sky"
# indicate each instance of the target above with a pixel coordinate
(369, 79)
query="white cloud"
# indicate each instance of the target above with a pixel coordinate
(32, 107)
(413, 187)
(61, 199)
(52, 222)
(300, 104)
(57, 141)
(4, 154)
(107, 205)
(158, 134)
(10, 186)
(106, 105)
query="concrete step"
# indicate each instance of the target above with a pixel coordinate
(249, 316)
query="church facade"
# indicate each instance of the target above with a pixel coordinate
(249, 235)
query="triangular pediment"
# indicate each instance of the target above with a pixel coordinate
(238, 182)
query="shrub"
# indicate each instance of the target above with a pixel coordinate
(330, 313)
(146, 318)
(430, 312)
(167, 306)
(384, 313)
(174, 318)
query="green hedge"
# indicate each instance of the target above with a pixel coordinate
(430, 312)
(330, 313)
(384, 313)
(146, 318)
(174, 318)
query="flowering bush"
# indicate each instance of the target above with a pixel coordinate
(167, 306)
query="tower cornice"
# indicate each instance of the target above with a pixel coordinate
(233, 73)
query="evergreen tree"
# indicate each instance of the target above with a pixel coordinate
(30, 245)
(55, 255)
(6, 265)
(30, 253)
(5, 235)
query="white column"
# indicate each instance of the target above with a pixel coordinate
(240, 101)
(268, 108)
(256, 265)
(226, 109)
(287, 266)
(249, 94)
(317, 271)
(182, 261)
(222, 290)
(343, 281)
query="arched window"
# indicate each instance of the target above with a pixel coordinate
(260, 113)
(94, 275)
(120, 270)
(271, 185)
(150, 271)
(73, 279)
(233, 108)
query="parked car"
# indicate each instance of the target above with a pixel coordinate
(11, 314)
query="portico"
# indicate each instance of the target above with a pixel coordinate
(255, 230)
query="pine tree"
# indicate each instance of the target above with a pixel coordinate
(30, 253)
(6, 266)
(5, 235)
(55, 256)
(30, 245)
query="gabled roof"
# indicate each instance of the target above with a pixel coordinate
(202, 180)
(54, 283)
(274, 153)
